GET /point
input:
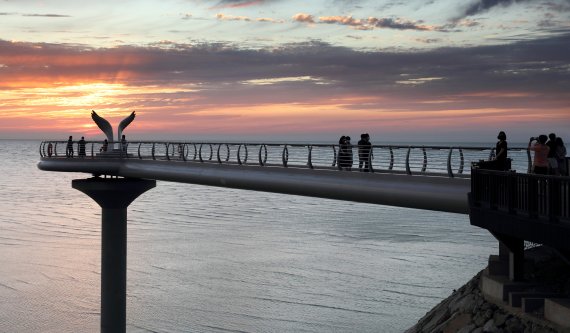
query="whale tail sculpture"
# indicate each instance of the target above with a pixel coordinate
(104, 125)
(124, 123)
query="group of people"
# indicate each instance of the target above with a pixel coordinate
(69, 147)
(69, 152)
(345, 160)
(549, 155)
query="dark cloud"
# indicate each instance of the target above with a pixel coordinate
(481, 6)
(540, 67)
(45, 15)
(366, 24)
(239, 3)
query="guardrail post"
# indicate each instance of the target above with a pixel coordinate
(285, 156)
(425, 161)
(370, 155)
(408, 170)
(553, 199)
(310, 157)
(449, 168)
(532, 196)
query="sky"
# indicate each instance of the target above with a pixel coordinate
(286, 70)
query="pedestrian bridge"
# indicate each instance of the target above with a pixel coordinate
(424, 177)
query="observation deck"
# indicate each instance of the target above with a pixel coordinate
(424, 177)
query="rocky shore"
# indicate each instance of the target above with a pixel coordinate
(468, 311)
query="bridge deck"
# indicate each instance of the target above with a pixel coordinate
(438, 193)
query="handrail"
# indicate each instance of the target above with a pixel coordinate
(531, 195)
(401, 159)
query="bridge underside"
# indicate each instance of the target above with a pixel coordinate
(422, 192)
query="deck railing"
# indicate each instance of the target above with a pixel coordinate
(530, 195)
(406, 159)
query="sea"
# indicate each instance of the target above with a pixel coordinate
(209, 259)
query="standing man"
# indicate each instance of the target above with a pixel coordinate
(364, 148)
(69, 148)
(81, 147)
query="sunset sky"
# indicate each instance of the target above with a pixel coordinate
(439, 70)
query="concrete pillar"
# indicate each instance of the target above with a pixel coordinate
(114, 195)
(514, 248)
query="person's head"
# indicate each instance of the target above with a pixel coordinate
(123, 136)
(347, 138)
(542, 138)
(342, 139)
(106, 141)
(70, 137)
(82, 138)
(552, 137)
(559, 141)
(363, 136)
(502, 136)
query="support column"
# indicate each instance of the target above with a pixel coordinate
(514, 248)
(114, 195)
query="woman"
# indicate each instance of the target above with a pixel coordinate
(540, 154)
(561, 157)
(501, 152)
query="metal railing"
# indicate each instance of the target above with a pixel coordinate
(412, 160)
(535, 196)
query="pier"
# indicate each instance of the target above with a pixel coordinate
(515, 207)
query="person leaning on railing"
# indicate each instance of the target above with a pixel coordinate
(540, 163)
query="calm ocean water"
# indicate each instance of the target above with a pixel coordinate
(205, 259)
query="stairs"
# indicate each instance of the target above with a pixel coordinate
(528, 298)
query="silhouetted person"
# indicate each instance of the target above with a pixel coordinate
(364, 148)
(500, 160)
(342, 153)
(349, 160)
(124, 143)
(81, 152)
(561, 157)
(540, 164)
(69, 147)
(552, 160)
(105, 146)
(50, 149)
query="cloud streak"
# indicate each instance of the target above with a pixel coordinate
(312, 77)
(366, 24)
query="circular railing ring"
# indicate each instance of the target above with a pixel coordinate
(310, 157)
(335, 157)
(408, 170)
(239, 154)
(263, 161)
(424, 164)
(462, 161)
(285, 156)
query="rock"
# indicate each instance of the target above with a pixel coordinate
(514, 325)
(500, 318)
(465, 304)
(438, 316)
(456, 322)
(478, 330)
(490, 327)
(467, 329)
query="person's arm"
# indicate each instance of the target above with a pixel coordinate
(530, 147)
